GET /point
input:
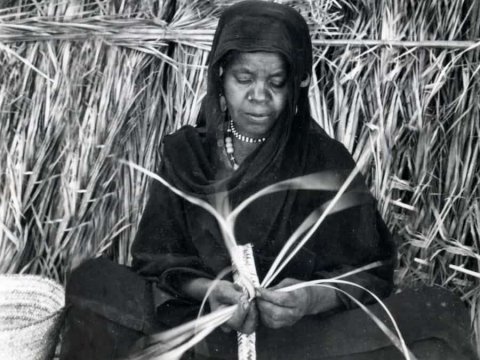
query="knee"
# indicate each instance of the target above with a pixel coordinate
(104, 281)
(435, 349)
(87, 275)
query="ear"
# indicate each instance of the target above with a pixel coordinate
(223, 103)
(306, 81)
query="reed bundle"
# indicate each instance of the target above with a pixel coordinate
(83, 83)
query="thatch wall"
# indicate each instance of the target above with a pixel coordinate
(86, 83)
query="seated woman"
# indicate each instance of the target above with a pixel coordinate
(254, 130)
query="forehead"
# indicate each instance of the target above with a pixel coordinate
(258, 61)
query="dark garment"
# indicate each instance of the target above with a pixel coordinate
(108, 307)
(177, 240)
(428, 315)
(110, 310)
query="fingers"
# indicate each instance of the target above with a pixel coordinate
(280, 298)
(224, 294)
(245, 317)
(227, 293)
(238, 318)
(284, 283)
(237, 287)
(278, 308)
(274, 316)
(251, 320)
(244, 320)
(275, 308)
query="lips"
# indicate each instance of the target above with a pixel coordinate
(258, 116)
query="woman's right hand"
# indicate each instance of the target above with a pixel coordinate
(245, 317)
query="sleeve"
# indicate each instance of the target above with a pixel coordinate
(355, 248)
(163, 251)
(353, 238)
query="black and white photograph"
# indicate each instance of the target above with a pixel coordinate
(239, 179)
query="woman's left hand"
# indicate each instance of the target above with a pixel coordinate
(281, 308)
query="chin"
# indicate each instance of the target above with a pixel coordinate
(258, 128)
(259, 131)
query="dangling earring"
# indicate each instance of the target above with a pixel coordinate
(223, 103)
(221, 98)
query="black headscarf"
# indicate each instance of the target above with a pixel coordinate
(262, 26)
(255, 26)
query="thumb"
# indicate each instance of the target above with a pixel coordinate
(284, 283)
(266, 294)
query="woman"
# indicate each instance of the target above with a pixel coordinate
(254, 130)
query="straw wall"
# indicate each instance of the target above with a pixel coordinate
(86, 83)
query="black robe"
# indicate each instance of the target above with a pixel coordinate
(177, 240)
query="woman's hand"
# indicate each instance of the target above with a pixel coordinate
(278, 308)
(225, 293)
(245, 317)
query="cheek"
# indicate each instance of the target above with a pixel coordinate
(280, 101)
(233, 95)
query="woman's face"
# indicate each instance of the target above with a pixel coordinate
(255, 88)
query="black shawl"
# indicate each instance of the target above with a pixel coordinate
(177, 240)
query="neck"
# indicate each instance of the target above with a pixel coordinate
(242, 149)
(242, 137)
(238, 149)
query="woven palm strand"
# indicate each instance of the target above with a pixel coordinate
(31, 313)
(247, 343)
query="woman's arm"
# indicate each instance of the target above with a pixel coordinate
(353, 237)
(369, 242)
(223, 294)
(279, 308)
(163, 253)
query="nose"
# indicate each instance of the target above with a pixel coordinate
(259, 92)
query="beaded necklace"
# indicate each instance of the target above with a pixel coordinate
(229, 143)
(244, 138)
(229, 149)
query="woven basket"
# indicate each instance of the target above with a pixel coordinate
(31, 309)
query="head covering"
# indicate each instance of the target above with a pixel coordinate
(247, 27)
(262, 26)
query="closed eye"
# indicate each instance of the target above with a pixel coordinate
(243, 78)
(244, 81)
(278, 83)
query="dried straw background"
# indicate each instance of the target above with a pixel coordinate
(85, 83)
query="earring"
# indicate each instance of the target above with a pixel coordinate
(306, 81)
(223, 103)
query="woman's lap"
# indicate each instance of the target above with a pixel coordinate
(111, 307)
(430, 319)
